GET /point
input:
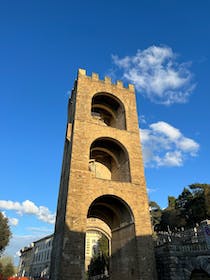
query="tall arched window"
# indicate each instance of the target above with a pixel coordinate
(109, 160)
(108, 110)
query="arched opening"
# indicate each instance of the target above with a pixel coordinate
(109, 160)
(96, 253)
(112, 210)
(117, 215)
(97, 245)
(199, 274)
(108, 110)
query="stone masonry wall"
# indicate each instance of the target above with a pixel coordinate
(80, 188)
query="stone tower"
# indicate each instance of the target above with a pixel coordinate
(103, 177)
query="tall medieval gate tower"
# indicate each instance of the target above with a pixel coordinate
(103, 177)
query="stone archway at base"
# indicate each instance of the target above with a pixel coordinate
(118, 216)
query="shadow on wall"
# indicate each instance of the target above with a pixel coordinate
(131, 260)
(175, 262)
(199, 274)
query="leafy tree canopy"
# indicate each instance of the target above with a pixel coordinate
(155, 212)
(8, 270)
(100, 261)
(5, 232)
(7, 267)
(189, 208)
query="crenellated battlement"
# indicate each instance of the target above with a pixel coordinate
(107, 80)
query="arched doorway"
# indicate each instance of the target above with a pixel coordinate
(119, 218)
(199, 274)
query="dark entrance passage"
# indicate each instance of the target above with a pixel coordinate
(118, 216)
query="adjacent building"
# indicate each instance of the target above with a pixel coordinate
(41, 257)
(35, 259)
(26, 257)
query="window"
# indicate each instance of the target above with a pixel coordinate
(108, 110)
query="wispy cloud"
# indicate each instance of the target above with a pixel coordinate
(165, 145)
(13, 221)
(41, 230)
(29, 207)
(151, 190)
(142, 119)
(157, 75)
(17, 242)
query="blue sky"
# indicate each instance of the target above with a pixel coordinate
(161, 46)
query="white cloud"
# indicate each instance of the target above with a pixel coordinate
(165, 145)
(4, 214)
(13, 221)
(172, 158)
(29, 207)
(166, 129)
(188, 145)
(157, 75)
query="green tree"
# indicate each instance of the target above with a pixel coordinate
(184, 198)
(199, 207)
(171, 218)
(207, 201)
(1, 270)
(103, 245)
(100, 261)
(5, 232)
(155, 213)
(8, 270)
(7, 267)
(202, 190)
(171, 202)
(191, 207)
(174, 216)
(5, 260)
